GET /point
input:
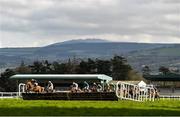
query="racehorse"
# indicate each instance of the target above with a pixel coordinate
(33, 87)
(29, 86)
(38, 89)
(157, 96)
(75, 89)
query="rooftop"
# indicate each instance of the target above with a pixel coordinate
(162, 77)
(61, 76)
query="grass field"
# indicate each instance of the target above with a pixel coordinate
(80, 108)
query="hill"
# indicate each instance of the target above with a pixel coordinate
(136, 53)
(168, 56)
(93, 48)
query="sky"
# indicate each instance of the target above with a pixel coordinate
(32, 23)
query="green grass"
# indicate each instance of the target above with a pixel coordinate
(90, 108)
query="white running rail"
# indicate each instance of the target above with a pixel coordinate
(9, 95)
(21, 89)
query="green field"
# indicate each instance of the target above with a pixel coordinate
(42, 107)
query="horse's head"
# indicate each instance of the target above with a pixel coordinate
(29, 85)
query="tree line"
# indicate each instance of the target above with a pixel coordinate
(116, 67)
(162, 70)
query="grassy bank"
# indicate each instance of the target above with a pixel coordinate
(42, 107)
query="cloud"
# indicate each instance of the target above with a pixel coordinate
(41, 22)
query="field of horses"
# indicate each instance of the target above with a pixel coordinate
(81, 108)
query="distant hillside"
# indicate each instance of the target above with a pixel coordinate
(136, 53)
(169, 51)
(82, 41)
(17, 51)
(11, 57)
(92, 49)
(163, 56)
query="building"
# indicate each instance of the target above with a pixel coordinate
(162, 80)
(62, 81)
(168, 84)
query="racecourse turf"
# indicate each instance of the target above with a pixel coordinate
(82, 108)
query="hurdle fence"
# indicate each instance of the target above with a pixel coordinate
(122, 90)
(127, 91)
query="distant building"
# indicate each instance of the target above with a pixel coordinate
(164, 80)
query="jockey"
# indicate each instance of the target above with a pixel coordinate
(86, 85)
(99, 87)
(50, 86)
(94, 85)
(34, 82)
(75, 85)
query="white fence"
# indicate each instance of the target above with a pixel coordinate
(21, 89)
(9, 95)
(127, 91)
(13, 94)
(170, 97)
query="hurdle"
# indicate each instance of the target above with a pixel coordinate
(127, 91)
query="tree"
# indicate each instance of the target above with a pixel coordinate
(46, 67)
(120, 68)
(146, 70)
(103, 67)
(23, 69)
(60, 68)
(36, 67)
(87, 67)
(7, 84)
(164, 70)
(134, 75)
(83, 67)
(117, 67)
(91, 66)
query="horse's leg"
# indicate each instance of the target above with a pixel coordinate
(39, 89)
(42, 89)
(26, 89)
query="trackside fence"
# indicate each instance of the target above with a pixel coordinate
(9, 95)
(169, 97)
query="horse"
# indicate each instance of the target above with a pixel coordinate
(33, 87)
(29, 86)
(75, 89)
(86, 89)
(38, 89)
(157, 96)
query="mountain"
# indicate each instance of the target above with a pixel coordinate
(91, 49)
(82, 41)
(136, 53)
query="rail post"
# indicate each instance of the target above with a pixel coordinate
(21, 86)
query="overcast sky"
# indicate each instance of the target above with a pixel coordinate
(42, 22)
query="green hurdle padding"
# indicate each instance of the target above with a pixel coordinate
(70, 96)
